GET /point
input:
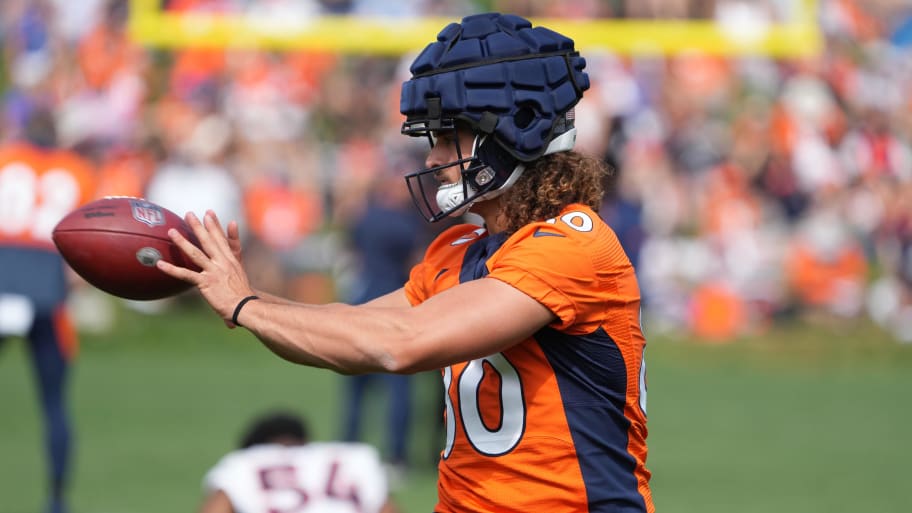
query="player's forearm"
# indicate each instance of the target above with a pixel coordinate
(340, 337)
(272, 298)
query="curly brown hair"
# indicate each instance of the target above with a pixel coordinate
(551, 183)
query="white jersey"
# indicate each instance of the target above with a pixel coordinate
(323, 477)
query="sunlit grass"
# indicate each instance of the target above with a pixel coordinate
(800, 419)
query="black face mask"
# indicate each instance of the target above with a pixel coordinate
(480, 174)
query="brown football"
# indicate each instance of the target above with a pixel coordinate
(114, 242)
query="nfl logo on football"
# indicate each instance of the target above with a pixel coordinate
(148, 213)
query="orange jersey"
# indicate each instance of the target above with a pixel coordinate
(37, 189)
(557, 422)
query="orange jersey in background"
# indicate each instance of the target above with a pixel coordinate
(556, 422)
(37, 189)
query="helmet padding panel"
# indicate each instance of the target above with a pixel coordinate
(511, 85)
(493, 64)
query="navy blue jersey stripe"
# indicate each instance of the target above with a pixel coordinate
(476, 256)
(592, 379)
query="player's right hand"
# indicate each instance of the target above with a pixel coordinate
(221, 279)
(234, 239)
(234, 242)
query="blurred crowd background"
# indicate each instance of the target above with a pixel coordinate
(747, 190)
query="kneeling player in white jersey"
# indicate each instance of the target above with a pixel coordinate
(277, 470)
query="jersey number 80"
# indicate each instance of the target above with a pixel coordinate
(490, 442)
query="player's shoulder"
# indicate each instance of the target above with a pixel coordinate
(455, 238)
(575, 223)
(577, 236)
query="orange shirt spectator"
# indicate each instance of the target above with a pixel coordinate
(106, 51)
(825, 279)
(718, 313)
(125, 174)
(280, 215)
(38, 188)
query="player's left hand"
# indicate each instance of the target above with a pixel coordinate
(221, 280)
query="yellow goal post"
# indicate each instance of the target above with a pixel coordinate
(151, 26)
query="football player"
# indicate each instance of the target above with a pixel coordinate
(39, 185)
(533, 319)
(278, 469)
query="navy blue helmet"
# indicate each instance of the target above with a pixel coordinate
(512, 85)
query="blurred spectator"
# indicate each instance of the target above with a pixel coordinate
(285, 213)
(889, 299)
(280, 213)
(826, 264)
(105, 98)
(125, 170)
(194, 177)
(39, 184)
(386, 237)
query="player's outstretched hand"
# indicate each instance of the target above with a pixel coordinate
(234, 240)
(222, 280)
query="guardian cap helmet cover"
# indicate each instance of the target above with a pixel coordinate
(513, 85)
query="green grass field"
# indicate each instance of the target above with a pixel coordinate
(799, 420)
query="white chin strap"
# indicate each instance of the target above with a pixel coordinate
(451, 195)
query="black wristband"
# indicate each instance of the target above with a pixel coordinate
(237, 309)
